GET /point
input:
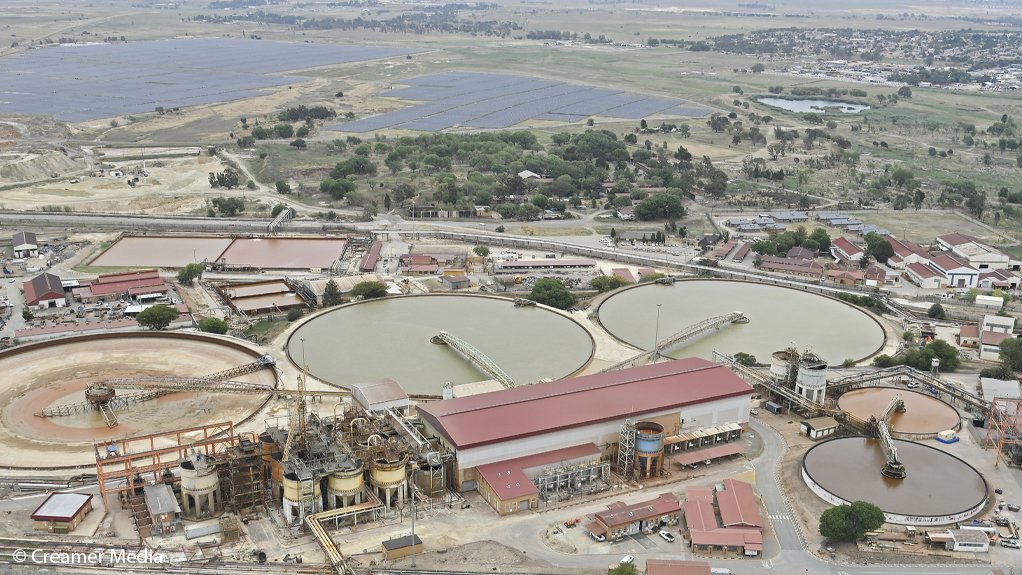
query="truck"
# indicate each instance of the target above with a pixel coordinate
(720, 571)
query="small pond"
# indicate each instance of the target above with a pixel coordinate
(805, 106)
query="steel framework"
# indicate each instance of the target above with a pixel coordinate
(120, 461)
(626, 449)
(691, 332)
(478, 358)
(1004, 426)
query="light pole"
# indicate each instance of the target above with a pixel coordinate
(415, 469)
(656, 334)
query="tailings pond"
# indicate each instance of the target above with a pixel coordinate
(778, 318)
(390, 338)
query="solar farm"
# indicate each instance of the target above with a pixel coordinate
(496, 101)
(82, 82)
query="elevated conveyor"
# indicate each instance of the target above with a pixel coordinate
(476, 357)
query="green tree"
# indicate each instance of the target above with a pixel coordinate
(746, 359)
(551, 292)
(822, 239)
(157, 317)
(1011, 353)
(188, 274)
(294, 313)
(331, 294)
(369, 290)
(213, 325)
(936, 311)
(607, 283)
(624, 569)
(481, 251)
(850, 522)
(283, 187)
(660, 206)
(878, 247)
(336, 189)
(277, 209)
(386, 202)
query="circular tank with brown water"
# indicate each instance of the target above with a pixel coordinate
(938, 489)
(924, 416)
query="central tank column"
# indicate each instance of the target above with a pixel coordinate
(649, 449)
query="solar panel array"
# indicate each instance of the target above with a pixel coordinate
(86, 82)
(494, 101)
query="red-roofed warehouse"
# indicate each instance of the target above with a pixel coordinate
(505, 425)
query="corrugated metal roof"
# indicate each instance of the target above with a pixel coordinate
(715, 452)
(509, 480)
(666, 503)
(675, 567)
(568, 403)
(737, 505)
(379, 391)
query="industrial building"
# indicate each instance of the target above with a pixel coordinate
(44, 291)
(725, 519)
(134, 286)
(62, 512)
(24, 245)
(620, 520)
(537, 265)
(666, 398)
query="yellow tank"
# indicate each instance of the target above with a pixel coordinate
(384, 473)
(198, 477)
(292, 490)
(346, 482)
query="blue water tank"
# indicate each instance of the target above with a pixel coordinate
(649, 437)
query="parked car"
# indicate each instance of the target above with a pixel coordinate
(666, 536)
(999, 491)
(598, 537)
(913, 384)
(628, 559)
(753, 412)
(1013, 507)
(1013, 543)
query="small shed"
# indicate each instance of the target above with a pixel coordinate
(454, 281)
(774, 407)
(380, 395)
(394, 549)
(818, 427)
(163, 507)
(989, 301)
(62, 512)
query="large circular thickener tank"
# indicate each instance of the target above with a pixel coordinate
(939, 488)
(50, 374)
(778, 317)
(924, 416)
(390, 338)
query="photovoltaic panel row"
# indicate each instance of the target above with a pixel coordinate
(508, 117)
(569, 118)
(690, 111)
(107, 80)
(641, 108)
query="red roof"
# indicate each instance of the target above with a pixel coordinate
(675, 567)
(372, 256)
(956, 239)
(947, 262)
(619, 516)
(905, 249)
(715, 452)
(699, 515)
(846, 246)
(509, 480)
(43, 287)
(624, 274)
(921, 271)
(747, 538)
(530, 410)
(506, 481)
(970, 331)
(993, 337)
(125, 276)
(738, 505)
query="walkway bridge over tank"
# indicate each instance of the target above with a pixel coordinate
(476, 357)
(694, 331)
